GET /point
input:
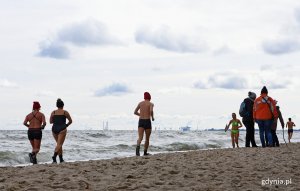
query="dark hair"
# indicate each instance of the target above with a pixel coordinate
(264, 90)
(59, 103)
(290, 119)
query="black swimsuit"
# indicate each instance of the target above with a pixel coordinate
(59, 123)
(34, 133)
(145, 123)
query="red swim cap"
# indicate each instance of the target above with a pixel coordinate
(36, 105)
(147, 96)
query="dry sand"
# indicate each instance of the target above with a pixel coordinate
(221, 169)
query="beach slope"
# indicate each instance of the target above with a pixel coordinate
(220, 169)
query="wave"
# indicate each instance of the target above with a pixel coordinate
(178, 146)
(8, 158)
(123, 147)
(166, 136)
(99, 135)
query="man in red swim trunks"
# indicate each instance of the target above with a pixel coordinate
(145, 111)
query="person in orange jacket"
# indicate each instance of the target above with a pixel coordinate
(264, 113)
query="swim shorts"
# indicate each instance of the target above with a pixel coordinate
(290, 130)
(145, 123)
(34, 134)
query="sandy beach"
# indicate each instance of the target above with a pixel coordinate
(219, 169)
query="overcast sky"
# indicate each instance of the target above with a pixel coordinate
(197, 58)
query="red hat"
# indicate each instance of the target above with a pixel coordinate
(36, 105)
(147, 96)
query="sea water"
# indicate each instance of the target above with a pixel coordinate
(93, 145)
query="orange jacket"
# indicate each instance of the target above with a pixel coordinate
(262, 109)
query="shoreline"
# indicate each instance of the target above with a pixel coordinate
(121, 157)
(213, 169)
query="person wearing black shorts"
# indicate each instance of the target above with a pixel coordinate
(290, 124)
(35, 121)
(145, 112)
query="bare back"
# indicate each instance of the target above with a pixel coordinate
(60, 112)
(145, 109)
(35, 120)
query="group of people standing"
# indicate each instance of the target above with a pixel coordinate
(265, 112)
(36, 122)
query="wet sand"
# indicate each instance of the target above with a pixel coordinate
(219, 169)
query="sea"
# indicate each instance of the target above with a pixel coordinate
(84, 145)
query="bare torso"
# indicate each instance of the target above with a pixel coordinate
(290, 124)
(145, 109)
(35, 119)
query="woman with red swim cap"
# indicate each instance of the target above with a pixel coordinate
(145, 112)
(35, 121)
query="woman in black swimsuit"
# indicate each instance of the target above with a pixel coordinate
(35, 121)
(59, 128)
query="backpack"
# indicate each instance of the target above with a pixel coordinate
(243, 112)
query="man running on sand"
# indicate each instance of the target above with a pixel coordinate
(145, 111)
(290, 126)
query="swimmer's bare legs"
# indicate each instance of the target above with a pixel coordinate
(237, 140)
(36, 144)
(232, 140)
(148, 133)
(290, 137)
(60, 139)
(138, 142)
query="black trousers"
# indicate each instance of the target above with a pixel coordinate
(275, 138)
(250, 131)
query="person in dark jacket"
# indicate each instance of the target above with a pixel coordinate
(248, 120)
(274, 127)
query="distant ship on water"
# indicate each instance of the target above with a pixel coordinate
(185, 128)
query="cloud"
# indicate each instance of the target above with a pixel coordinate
(240, 81)
(274, 83)
(224, 81)
(289, 40)
(53, 50)
(279, 85)
(278, 47)
(297, 15)
(164, 39)
(86, 33)
(4, 83)
(114, 89)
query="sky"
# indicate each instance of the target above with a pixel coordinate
(197, 58)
